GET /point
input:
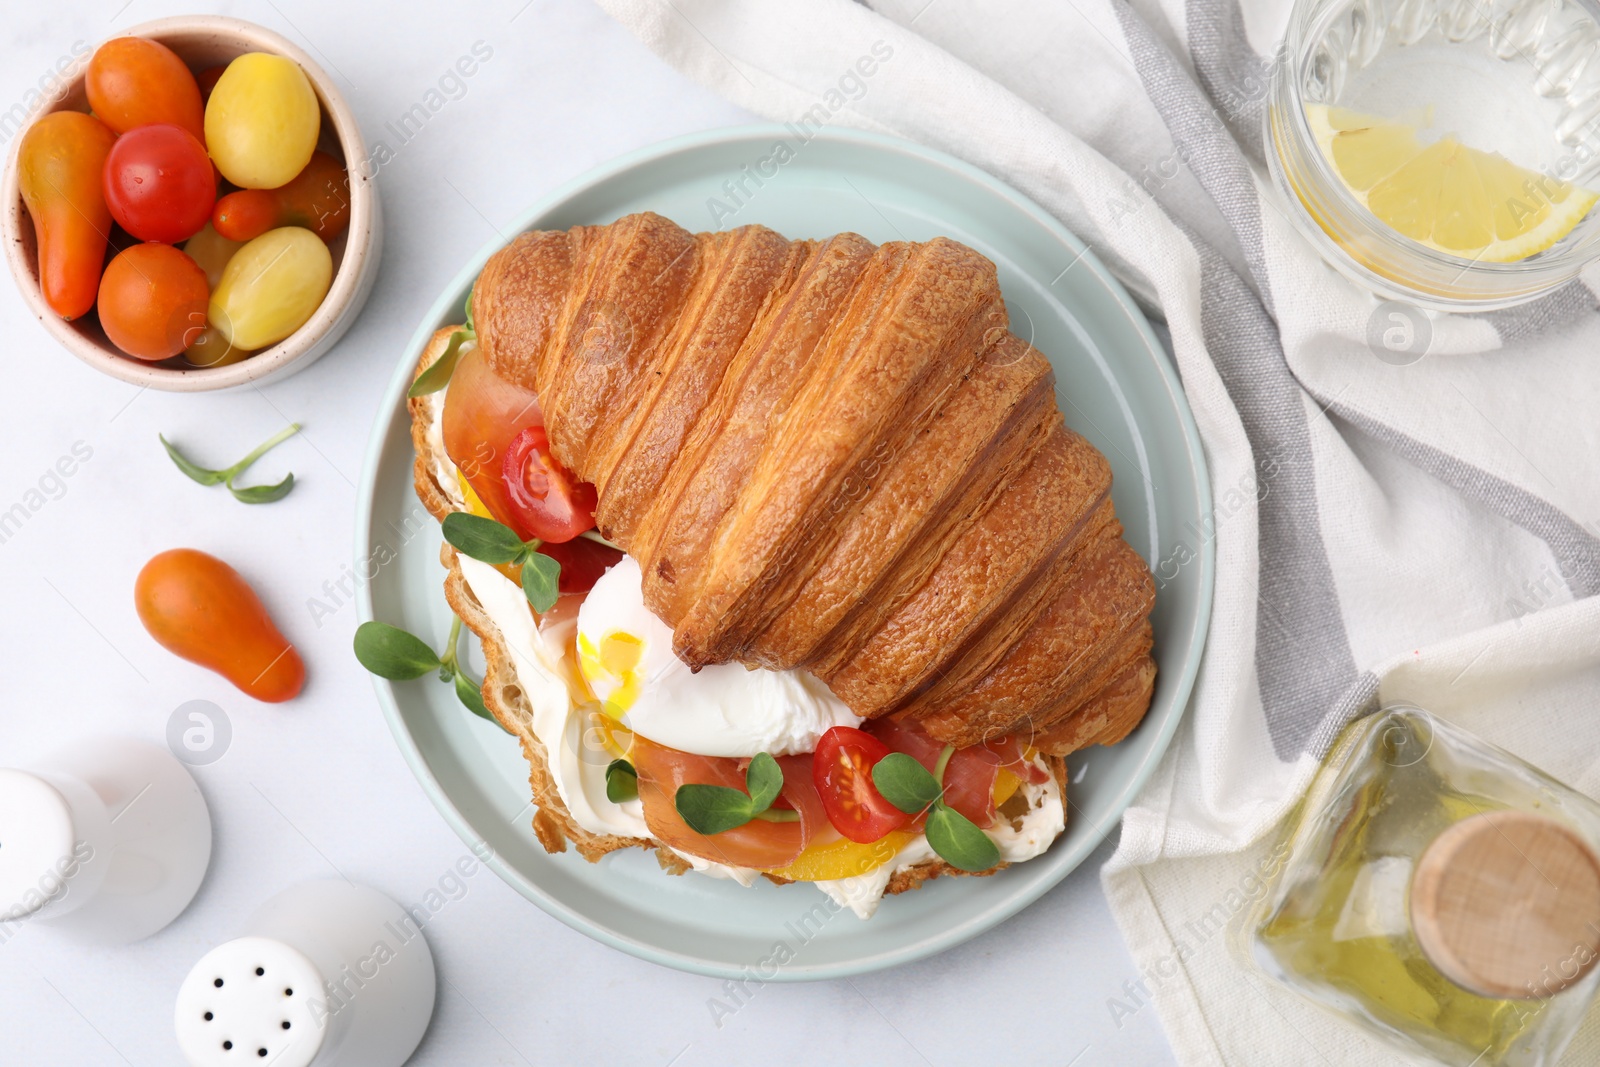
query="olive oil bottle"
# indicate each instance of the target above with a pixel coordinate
(1439, 892)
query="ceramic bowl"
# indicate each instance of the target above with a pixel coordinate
(206, 41)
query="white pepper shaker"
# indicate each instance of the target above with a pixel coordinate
(106, 841)
(328, 974)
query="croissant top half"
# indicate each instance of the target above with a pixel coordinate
(834, 456)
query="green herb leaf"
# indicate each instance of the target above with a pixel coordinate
(189, 467)
(256, 494)
(622, 781)
(905, 783)
(470, 694)
(483, 539)
(541, 578)
(764, 779)
(959, 841)
(263, 494)
(472, 326)
(711, 809)
(260, 450)
(390, 652)
(437, 376)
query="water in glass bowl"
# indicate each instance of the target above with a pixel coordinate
(1470, 126)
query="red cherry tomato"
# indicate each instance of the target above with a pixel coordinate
(582, 563)
(159, 183)
(207, 81)
(318, 199)
(245, 215)
(153, 301)
(545, 497)
(482, 414)
(842, 771)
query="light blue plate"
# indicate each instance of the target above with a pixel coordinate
(1115, 386)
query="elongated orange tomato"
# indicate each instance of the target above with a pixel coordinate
(198, 607)
(133, 82)
(59, 166)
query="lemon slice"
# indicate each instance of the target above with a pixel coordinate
(1446, 195)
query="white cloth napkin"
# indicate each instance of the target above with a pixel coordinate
(1386, 530)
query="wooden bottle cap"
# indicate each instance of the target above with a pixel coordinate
(1507, 905)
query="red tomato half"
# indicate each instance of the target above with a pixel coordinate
(482, 414)
(842, 770)
(546, 498)
(159, 183)
(758, 843)
(582, 563)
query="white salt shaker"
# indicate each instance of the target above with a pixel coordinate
(328, 974)
(106, 841)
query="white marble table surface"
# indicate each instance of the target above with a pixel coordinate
(317, 786)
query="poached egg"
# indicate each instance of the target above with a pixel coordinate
(625, 655)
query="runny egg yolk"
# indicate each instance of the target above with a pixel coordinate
(615, 661)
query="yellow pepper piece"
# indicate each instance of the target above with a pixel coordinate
(844, 858)
(474, 505)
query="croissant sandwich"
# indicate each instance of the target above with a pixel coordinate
(783, 560)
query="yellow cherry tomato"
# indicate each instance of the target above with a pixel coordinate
(271, 287)
(212, 251)
(262, 121)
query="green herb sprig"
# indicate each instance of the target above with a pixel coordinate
(909, 786)
(437, 376)
(251, 494)
(711, 809)
(400, 656)
(494, 542)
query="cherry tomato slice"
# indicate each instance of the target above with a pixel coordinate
(842, 770)
(482, 414)
(582, 563)
(546, 498)
(159, 183)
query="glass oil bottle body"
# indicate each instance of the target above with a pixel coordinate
(1339, 927)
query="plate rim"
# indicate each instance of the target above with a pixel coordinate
(947, 937)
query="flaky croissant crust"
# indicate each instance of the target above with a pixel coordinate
(835, 456)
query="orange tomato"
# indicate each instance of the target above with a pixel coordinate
(153, 301)
(58, 166)
(133, 81)
(317, 199)
(198, 607)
